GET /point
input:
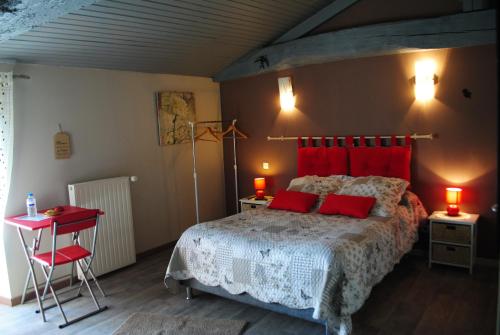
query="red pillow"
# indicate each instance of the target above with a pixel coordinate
(348, 205)
(294, 201)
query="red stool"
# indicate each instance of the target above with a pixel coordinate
(71, 223)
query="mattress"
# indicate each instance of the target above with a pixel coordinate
(328, 263)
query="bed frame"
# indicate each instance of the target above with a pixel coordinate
(305, 314)
(318, 161)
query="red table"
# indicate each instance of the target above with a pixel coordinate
(27, 225)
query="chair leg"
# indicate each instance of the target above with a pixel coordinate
(28, 277)
(53, 292)
(89, 269)
(48, 281)
(88, 285)
(72, 274)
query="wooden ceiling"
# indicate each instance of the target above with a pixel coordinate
(190, 37)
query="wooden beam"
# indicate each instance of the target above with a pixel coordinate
(470, 5)
(451, 31)
(19, 17)
(312, 22)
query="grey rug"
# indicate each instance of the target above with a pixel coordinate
(158, 324)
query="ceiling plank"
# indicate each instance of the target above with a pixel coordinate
(450, 31)
(312, 22)
(26, 14)
(194, 37)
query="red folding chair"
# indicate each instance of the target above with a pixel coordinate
(71, 223)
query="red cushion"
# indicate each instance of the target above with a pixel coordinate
(349, 205)
(380, 161)
(294, 201)
(321, 161)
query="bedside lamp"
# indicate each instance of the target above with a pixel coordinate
(260, 185)
(453, 199)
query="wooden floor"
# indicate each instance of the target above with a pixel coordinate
(410, 300)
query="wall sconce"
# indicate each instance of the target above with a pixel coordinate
(265, 165)
(287, 99)
(425, 79)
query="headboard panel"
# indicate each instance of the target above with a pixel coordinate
(363, 160)
(321, 161)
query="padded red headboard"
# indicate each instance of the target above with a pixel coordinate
(387, 161)
(321, 161)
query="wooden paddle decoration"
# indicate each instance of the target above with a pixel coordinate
(62, 146)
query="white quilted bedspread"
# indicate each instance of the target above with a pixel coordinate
(329, 263)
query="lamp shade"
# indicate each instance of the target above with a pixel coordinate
(453, 195)
(259, 183)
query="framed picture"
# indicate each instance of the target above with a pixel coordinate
(174, 111)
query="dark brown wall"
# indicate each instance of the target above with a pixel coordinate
(374, 96)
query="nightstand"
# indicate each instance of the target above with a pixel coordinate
(452, 239)
(250, 202)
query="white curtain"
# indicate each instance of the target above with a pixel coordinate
(6, 137)
(6, 149)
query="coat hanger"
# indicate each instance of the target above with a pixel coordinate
(214, 137)
(238, 133)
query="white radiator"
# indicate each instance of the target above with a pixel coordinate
(115, 246)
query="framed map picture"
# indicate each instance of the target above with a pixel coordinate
(174, 110)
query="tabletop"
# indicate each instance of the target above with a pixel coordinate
(462, 218)
(18, 221)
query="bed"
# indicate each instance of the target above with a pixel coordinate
(317, 267)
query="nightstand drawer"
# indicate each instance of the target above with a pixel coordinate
(246, 207)
(451, 233)
(451, 254)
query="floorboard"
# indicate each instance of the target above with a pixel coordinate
(410, 300)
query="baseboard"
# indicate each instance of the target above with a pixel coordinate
(156, 250)
(5, 301)
(64, 282)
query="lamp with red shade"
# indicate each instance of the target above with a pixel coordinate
(453, 199)
(260, 185)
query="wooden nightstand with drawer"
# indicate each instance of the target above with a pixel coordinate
(250, 202)
(452, 239)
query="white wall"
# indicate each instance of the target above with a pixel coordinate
(111, 118)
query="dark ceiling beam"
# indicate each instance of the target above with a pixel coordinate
(20, 16)
(451, 31)
(317, 19)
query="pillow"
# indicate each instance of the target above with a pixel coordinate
(321, 186)
(297, 184)
(388, 192)
(293, 201)
(349, 205)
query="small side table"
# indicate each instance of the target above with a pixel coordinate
(250, 202)
(452, 239)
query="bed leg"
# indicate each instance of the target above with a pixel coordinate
(189, 293)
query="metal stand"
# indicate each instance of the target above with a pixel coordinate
(235, 166)
(195, 176)
(189, 293)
